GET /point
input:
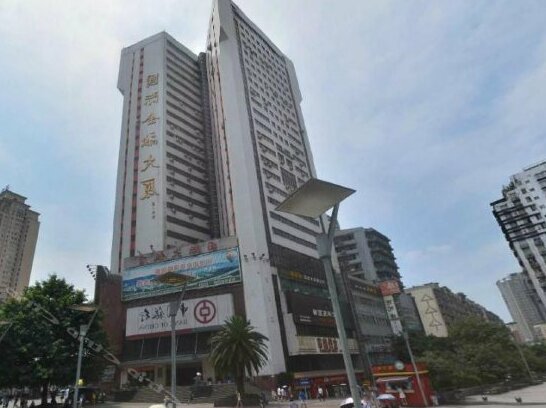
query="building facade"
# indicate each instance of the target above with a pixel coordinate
(360, 280)
(521, 214)
(373, 330)
(439, 308)
(165, 190)
(367, 254)
(19, 227)
(524, 306)
(210, 145)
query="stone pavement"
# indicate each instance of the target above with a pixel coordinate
(531, 396)
(535, 394)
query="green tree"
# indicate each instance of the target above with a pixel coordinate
(41, 347)
(476, 352)
(238, 350)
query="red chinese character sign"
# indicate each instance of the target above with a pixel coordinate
(390, 287)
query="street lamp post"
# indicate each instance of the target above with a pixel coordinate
(417, 376)
(523, 359)
(84, 328)
(5, 323)
(173, 279)
(313, 199)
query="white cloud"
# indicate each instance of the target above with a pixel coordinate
(425, 108)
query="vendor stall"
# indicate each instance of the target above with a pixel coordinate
(400, 381)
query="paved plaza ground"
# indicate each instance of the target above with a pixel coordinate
(531, 396)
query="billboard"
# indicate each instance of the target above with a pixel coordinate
(390, 287)
(208, 312)
(199, 271)
(310, 310)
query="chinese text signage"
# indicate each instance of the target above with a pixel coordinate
(389, 287)
(209, 312)
(198, 271)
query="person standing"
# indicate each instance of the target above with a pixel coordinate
(402, 396)
(302, 398)
(320, 393)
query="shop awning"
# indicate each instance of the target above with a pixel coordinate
(391, 379)
(323, 373)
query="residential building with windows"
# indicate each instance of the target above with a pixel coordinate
(523, 304)
(210, 145)
(367, 254)
(165, 194)
(19, 227)
(521, 214)
(439, 308)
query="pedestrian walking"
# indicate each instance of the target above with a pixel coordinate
(302, 399)
(320, 393)
(402, 396)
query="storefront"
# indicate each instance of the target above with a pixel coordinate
(334, 383)
(400, 379)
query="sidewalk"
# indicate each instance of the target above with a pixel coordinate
(532, 394)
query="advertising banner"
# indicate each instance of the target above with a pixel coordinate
(199, 271)
(392, 313)
(310, 310)
(208, 312)
(390, 287)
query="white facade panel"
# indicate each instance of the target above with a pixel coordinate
(200, 313)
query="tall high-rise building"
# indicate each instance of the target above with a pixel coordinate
(210, 145)
(521, 214)
(165, 193)
(18, 235)
(523, 304)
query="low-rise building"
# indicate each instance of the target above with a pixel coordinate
(439, 308)
(367, 254)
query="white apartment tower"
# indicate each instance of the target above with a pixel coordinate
(521, 214)
(262, 154)
(163, 195)
(18, 235)
(522, 302)
(210, 145)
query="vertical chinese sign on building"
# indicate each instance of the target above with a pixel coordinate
(149, 161)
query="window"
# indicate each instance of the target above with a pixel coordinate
(289, 180)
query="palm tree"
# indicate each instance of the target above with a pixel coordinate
(238, 349)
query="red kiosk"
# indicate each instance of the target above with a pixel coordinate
(392, 378)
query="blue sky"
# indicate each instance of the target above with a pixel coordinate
(426, 108)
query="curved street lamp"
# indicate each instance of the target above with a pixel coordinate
(85, 308)
(313, 199)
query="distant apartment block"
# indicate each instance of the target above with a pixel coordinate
(523, 304)
(366, 254)
(521, 214)
(18, 235)
(439, 308)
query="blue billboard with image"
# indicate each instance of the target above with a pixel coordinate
(196, 272)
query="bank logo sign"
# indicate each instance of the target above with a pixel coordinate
(202, 313)
(198, 271)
